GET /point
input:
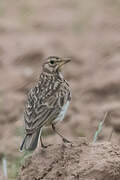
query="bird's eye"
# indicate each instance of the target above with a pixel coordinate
(51, 62)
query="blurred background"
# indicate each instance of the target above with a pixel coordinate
(89, 32)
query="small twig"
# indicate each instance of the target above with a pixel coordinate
(100, 127)
(4, 164)
(110, 136)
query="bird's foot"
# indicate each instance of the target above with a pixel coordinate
(45, 146)
(66, 140)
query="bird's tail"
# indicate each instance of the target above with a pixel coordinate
(30, 141)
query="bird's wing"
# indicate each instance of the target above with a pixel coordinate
(39, 112)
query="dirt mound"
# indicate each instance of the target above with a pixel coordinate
(81, 160)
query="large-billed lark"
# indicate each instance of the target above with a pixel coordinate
(47, 102)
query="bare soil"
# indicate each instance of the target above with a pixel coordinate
(81, 161)
(89, 33)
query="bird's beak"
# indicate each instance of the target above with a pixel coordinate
(64, 61)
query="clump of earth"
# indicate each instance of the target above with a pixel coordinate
(81, 160)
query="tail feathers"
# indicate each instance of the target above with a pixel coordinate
(30, 141)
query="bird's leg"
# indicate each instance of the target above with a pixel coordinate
(64, 139)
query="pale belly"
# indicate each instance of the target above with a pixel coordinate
(62, 113)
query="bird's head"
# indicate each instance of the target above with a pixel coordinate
(54, 64)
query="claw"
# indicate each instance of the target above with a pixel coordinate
(66, 140)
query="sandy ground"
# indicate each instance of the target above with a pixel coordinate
(80, 161)
(88, 32)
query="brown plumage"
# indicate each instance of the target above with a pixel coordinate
(47, 102)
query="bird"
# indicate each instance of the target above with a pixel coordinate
(47, 102)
